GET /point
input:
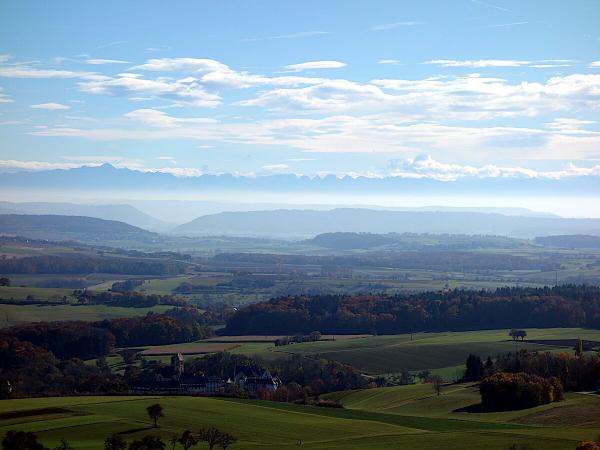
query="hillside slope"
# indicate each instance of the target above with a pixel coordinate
(307, 223)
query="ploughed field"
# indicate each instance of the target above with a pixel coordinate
(410, 417)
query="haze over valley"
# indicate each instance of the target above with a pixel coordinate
(318, 225)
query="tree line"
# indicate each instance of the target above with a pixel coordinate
(85, 340)
(77, 264)
(455, 310)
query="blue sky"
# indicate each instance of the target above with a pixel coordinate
(416, 89)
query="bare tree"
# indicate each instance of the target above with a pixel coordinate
(187, 440)
(210, 435)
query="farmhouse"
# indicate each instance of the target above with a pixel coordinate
(254, 379)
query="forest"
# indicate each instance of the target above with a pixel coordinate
(451, 310)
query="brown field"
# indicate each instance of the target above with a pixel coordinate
(273, 338)
(188, 348)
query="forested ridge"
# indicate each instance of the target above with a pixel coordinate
(426, 260)
(454, 310)
(77, 264)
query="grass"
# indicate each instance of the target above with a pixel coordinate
(21, 293)
(444, 352)
(18, 314)
(366, 423)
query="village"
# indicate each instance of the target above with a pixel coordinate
(250, 379)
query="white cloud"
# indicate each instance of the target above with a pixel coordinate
(390, 26)
(389, 61)
(479, 63)
(216, 74)
(50, 106)
(3, 58)
(594, 65)
(13, 165)
(483, 63)
(128, 84)
(24, 71)
(275, 168)
(424, 166)
(309, 65)
(105, 61)
(5, 98)
(161, 119)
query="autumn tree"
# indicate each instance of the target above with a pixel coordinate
(587, 445)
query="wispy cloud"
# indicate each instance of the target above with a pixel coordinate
(112, 44)
(309, 65)
(300, 34)
(105, 61)
(490, 5)
(481, 63)
(25, 71)
(509, 24)
(50, 106)
(594, 65)
(393, 62)
(5, 98)
(391, 26)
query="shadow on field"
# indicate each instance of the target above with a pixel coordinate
(135, 430)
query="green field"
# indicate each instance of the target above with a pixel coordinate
(385, 354)
(370, 422)
(19, 314)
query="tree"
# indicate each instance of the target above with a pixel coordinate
(315, 336)
(225, 440)
(587, 445)
(210, 435)
(173, 441)
(115, 442)
(155, 412)
(579, 347)
(437, 383)
(4, 281)
(147, 443)
(474, 368)
(64, 445)
(187, 440)
(516, 334)
(21, 440)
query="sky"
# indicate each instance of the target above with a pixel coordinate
(433, 89)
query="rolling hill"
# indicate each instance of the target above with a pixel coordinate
(307, 223)
(122, 212)
(77, 228)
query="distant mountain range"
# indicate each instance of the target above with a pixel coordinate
(107, 177)
(307, 223)
(121, 213)
(75, 228)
